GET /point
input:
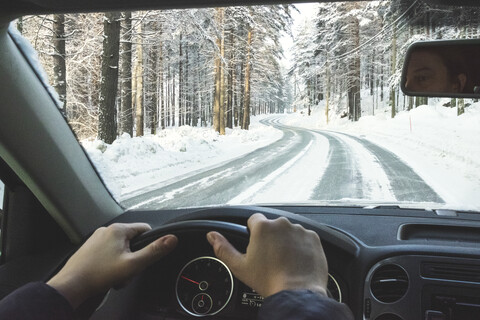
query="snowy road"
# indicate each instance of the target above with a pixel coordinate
(357, 166)
(303, 165)
(227, 181)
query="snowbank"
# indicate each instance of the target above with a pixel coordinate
(141, 163)
(443, 148)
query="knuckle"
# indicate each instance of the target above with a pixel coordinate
(156, 248)
(220, 250)
(313, 235)
(283, 221)
(283, 224)
(298, 227)
(262, 225)
(101, 230)
(114, 226)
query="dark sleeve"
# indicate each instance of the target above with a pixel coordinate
(35, 300)
(303, 305)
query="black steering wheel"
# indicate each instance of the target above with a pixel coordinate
(185, 228)
(191, 230)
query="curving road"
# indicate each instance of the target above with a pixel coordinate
(340, 167)
(220, 184)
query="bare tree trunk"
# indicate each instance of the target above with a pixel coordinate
(181, 94)
(139, 116)
(235, 96)
(167, 97)
(327, 88)
(59, 66)
(186, 89)
(217, 102)
(460, 106)
(230, 82)
(107, 129)
(196, 95)
(126, 112)
(394, 65)
(354, 85)
(20, 25)
(246, 104)
(153, 94)
(242, 93)
(162, 111)
(222, 82)
(174, 105)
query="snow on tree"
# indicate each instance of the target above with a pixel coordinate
(199, 68)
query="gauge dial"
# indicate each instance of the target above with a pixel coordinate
(333, 289)
(204, 286)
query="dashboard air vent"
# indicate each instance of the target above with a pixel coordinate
(389, 283)
(458, 272)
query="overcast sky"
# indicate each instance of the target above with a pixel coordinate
(307, 10)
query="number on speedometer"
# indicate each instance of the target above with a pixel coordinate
(204, 286)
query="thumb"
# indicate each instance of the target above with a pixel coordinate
(155, 250)
(226, 252)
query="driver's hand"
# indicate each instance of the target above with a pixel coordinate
(280, 256)
(105, 261)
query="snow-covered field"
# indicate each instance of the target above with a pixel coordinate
(443, 148)
(139, 163)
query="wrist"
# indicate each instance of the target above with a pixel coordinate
(295, 285)
(74, 290)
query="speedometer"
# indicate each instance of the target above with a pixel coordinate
(204, 286)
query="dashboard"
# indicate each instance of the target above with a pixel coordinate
(384, 263)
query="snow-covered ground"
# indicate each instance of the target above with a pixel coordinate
(442, 148)
(138, 163)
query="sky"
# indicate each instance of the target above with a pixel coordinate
(306, 12)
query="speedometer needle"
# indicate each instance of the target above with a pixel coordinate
(190, 280)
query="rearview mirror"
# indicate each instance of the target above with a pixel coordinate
(442, 69)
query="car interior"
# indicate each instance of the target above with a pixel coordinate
(385, 262)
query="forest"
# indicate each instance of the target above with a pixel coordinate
(142, 72)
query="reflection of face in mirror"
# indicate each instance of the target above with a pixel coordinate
(430, 71)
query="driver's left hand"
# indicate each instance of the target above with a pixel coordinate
(105, 261)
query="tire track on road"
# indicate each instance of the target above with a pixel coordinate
(406, 184)
(221, 184)
(341, 178)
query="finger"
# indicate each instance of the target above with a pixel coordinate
(134, 229)
(254, 219)
(154, 251)
(226, 252)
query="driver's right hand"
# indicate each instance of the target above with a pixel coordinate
(280, 256)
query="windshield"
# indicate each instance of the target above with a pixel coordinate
(284, 104)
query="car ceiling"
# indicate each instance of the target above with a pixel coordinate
(18, 8)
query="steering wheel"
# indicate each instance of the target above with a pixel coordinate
(182, 228)
(119, 303)
(191, 230)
